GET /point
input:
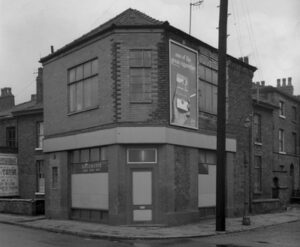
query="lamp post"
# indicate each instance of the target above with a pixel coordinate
(247, 190)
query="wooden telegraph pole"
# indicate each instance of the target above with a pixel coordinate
(221, 119)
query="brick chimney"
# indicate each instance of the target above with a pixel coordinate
(39, 86)
(287, 88)
(7, 99)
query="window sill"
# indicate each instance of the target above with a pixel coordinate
(281, 152)
(38, 149)
(84, 110)
(282, 116)
(258, 143)
(141, 102)
(39, 193)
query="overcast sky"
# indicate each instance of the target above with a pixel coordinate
(268, 31)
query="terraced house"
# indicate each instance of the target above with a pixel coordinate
(130, 125)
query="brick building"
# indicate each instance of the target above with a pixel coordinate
(276, 171)
(21, 133)
(130, 126)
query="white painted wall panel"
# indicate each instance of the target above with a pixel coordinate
(207, 188)
(90, 190)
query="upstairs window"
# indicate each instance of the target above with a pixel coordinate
(295, 143)
(257, 174)
(257, 128)
(40, 176)
(281, 140)
(11, 137)
(281, 109)
(140, 85)
(294, 112)
(39, 135)
(208, 90)
(83, 86)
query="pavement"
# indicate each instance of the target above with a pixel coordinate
(202, 229)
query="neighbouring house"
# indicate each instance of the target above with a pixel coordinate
(130, 125)
(21, 131)
(276, 172)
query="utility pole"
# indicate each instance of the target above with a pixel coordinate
(198, 3)
(221, 119)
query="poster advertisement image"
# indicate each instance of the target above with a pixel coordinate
(183, 86)
(8, 175)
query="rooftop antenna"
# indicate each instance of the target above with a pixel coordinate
(195, 4)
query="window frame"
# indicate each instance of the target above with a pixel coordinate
(39, 136)
(145, 69)
(281, 140)
(282, 109)
(11, 136)
(40, 166)
(83, 81)
(141, 162)
(258, 173)
(257, 128)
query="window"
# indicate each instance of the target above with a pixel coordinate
(140, 85)
(294, 143)
(281, 109)
(83, 86)
(208, 90)
(54, 177)
(281, 140)
(11, 140)
(89, 160)
(40, 176)
(294, 111)
(39, 135)
(206, 158)
(142, 155)
(257, 128)
(257, 174)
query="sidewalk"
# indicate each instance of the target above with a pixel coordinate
(201, 229)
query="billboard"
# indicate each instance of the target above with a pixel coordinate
(9, 185)
(183, 86)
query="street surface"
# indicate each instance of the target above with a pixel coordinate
(284, 235)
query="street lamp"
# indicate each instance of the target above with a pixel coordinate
(246, 218)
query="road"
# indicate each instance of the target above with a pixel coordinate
(285, 235)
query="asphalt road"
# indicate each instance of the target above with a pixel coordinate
(16, 236)
(285, 235)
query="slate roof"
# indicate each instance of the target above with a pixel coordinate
(23, 108)
(132, 18)
(128, 18)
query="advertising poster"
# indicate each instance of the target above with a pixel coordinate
(183, 86)
(8, 175)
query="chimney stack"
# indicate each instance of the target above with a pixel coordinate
(39, 86)
(278, 82)
(262, 83)
(283, 82)
(7, 99)
(287, 88)
(52, 49)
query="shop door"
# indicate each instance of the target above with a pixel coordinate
(142, 196)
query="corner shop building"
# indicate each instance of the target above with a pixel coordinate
(130, 137)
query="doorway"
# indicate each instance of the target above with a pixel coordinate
(142, 195)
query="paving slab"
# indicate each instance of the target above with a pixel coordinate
(200, 229)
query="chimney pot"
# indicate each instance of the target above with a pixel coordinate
(263, 83)
(246, 60)
(52, 49)
(290, 81)
(284, 82)
(278, 82)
